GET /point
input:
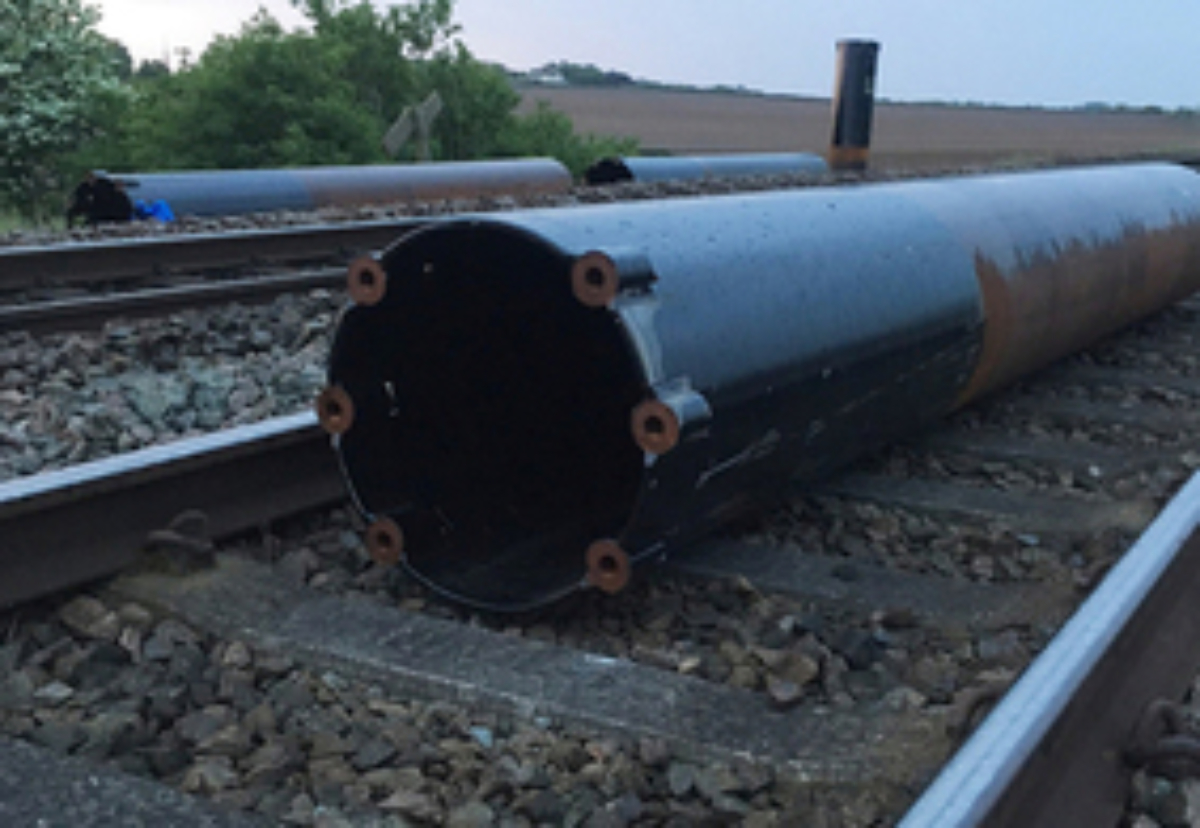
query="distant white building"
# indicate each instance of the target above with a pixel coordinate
(546, 75)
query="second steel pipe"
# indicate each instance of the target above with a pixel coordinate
(235, 192)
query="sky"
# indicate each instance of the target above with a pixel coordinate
(1016, 52)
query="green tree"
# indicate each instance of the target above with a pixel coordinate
(587, 74)
(548, 132)
(119, 57)
(272, 98)
(149, 69)
(479, 118)
(478, 103)
(263, 98)
(58, 81)
(417, 28)
(376, 51)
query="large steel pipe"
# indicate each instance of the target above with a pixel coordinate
(527, 403)
(619, 169)
(234, 192)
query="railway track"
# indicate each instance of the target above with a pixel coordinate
(93, 312)
(821, 663)
(916, 585)
(81, 285)
(121, 260)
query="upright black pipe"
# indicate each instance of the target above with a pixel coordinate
(853, 104)
(528, 402)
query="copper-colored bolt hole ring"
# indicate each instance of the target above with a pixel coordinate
(385, 541)
(655, 427)
(366, 281)
(607, 566)
(335, 410)
(594, 280)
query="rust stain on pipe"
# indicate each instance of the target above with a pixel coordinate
(848, 158)
(1052, 305)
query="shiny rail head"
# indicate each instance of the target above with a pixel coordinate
(491, 414)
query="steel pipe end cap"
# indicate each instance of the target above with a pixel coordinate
(335, 410)
(655, 427)
(385, 542)
(608, 566)
(594, 279)
(366, 281)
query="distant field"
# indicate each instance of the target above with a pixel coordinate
(908, 135)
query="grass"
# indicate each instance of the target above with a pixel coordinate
(12, 221)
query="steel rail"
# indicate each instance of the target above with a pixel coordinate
(81, 313)
(115, 260)
(66, 527)
(1050, 754)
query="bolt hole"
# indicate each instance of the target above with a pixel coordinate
(655, 426)
(366, 278)
(594, 276)
(385, 542)
(333, 410)
(608, 564)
